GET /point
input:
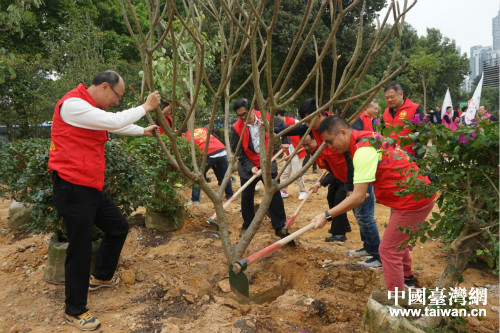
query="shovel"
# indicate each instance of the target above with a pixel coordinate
(237, 277)
(292, 218)
(211, 219)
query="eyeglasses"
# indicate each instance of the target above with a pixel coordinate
(117, 95)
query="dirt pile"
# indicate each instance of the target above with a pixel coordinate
(178, 282)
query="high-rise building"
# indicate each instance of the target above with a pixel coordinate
(478, 55)
(495, 30)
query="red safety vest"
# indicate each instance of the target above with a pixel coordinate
(368, 123)
(389, 171)
(238, 127)
(200, 138)
(334, 159)
(77, 154)
(295, 139)
(406, 111)
(169, 122)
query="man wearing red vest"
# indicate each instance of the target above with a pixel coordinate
(249, 164)
(340, 181)
(216, 159)
(296, 164)
(400, 108)
(384, 169)
(166, 108)
(76, 161)
(367, 121)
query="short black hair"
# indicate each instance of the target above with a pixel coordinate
(464, 108)
(307, 107)
(448, 107)
(164, 104)
(394, 86)
(310, 135)
(332, 124)
(280, 112)
(110, 77)
(242, 102)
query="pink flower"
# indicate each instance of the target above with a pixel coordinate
(416, 119)
(463, 139)
(473, 135)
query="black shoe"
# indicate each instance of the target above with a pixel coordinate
(348, 229)
(336, 238)
(282, 233)
(410, 281)
(242, 232)
(315, 171)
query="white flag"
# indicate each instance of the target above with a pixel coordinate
(474, 102)
(446, 103)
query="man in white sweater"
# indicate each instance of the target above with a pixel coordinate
(80, 128)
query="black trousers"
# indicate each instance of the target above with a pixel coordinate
(82, 207)
(276, 208)
(336, 193)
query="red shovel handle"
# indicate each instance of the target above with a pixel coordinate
(271, 248)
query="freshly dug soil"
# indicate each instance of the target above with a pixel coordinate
(178, 281)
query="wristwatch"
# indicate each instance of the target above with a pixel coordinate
(328, 216)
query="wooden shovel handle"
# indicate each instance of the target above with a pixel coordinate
(237, 266)
(292, 218)
(237, 193)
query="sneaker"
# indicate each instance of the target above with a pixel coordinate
(96, 283)
(85, 321)
(316, 171)
(410, 281)
(360, 252)
(302, 195)
(257, 187)
(284, 194)
(242, 232)
(192, 203)
(372, 263)
(336, 238)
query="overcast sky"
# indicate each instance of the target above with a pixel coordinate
(468, 22)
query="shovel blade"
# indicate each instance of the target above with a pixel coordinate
(239, 282)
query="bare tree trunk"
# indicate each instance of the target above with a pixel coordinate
(242, 26)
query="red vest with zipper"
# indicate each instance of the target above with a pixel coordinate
(389, 172)
(200, 138)
(295, 139)
(406, 111)
(238, 127)
(77, 154)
